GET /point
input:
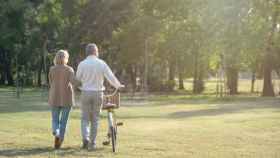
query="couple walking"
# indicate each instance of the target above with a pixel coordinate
(90, 77)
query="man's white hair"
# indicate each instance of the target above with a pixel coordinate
(91, 49)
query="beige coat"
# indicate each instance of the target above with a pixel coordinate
(61, 78)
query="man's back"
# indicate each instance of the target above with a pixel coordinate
(91, 73)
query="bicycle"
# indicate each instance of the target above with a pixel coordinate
(110, 103)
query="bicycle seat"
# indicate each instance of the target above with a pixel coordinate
(109, 106)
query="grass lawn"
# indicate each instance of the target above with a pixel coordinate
(177, 126)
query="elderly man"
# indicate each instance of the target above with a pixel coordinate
(91, 73)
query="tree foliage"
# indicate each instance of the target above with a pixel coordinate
(175, 40)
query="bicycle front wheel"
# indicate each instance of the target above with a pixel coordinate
(113, 138)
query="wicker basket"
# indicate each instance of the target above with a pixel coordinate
(112, 101)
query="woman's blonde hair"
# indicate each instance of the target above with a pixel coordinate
(61, 57)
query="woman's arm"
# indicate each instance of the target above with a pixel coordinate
(73, 80)
(50, 76)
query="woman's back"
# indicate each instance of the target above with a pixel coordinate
(61, 91)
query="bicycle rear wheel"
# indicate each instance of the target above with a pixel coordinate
(113, 138)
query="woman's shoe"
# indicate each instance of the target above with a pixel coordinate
(57, 142)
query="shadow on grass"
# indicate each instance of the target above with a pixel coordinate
(28, 102)
(12, 106)
(50, 152)
(167, 100)
(220, 107)
(25, 152)
(204, 99)
(228, 109)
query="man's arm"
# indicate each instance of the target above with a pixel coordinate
(111, 77)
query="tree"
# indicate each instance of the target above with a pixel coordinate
(268, 56)
(12, 30)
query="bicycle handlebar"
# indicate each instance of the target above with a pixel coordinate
(112, 94)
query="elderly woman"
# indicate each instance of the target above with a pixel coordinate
(61, 78)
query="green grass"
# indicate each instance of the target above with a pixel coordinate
(161, 126)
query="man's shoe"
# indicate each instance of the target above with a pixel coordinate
(91, 147)
(85, 144)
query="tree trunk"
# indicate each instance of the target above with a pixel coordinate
(195, 74)
(253, 81)
(171, 79)
(181, 81)
(9, 74)
(268, 90)
(171, 71)
(232, 80)
(278, 74)
(2, 77)
(132, 74)
(7, 69)
(47, 73)
(44, 55)
(2, 63)
(181, 74)
(39, 73)
(198, 83)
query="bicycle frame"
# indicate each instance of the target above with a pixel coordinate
(111, 120)
(111, 102)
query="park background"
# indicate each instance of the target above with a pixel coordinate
(201, 76)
